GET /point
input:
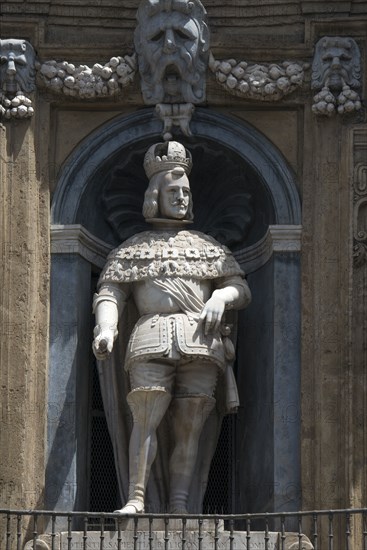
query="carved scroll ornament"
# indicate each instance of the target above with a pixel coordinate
(360, 215)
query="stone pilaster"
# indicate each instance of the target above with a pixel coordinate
(326, 318)
(24, 275)
(358, 378)
(356, 404)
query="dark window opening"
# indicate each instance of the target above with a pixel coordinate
(103, 490)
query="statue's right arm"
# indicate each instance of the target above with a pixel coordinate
(108, 305)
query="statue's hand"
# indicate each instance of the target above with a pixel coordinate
(103, 342)
(212, 314)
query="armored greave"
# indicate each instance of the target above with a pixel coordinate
(148, 406)
(189, 415)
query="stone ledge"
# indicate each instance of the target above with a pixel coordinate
(75, 239)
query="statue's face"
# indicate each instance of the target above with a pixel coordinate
(170, 46)
(16, 66)
(174, 195)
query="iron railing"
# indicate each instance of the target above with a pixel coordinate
(319, 529)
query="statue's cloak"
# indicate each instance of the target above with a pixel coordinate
(159, 255)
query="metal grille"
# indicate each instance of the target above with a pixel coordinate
(103, 493)
(97, 402)
(219, 495)
(318, 530)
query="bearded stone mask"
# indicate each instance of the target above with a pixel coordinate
(17, 70)
(336, 63)
(172, 43)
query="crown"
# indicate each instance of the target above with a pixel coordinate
(162, 157)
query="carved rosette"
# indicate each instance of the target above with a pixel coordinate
(360, 214)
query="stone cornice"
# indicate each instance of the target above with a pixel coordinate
(278, 238)
(75, 239)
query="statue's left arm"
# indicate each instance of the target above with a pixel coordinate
(231, 293)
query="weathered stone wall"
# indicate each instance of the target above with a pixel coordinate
(84, 31)
(241, 23)
(24, 308)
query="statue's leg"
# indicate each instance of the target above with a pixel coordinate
(148, 404)
(189, 412)
(188, 418)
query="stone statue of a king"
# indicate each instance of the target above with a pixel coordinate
(182, 282)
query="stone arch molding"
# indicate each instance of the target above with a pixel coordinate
(252, 147)
(249, 144)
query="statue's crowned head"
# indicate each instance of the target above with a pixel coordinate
(172, 43)
(161, 157)
(167, 165)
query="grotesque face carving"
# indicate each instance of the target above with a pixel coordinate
(17, 58)
(336, 64)
(172, 42)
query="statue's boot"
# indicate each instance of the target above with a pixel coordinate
(148, 406)
(189, 415)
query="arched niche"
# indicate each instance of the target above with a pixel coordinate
(131, 132)
(88, 219)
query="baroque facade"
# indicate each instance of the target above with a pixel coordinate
(269, 97)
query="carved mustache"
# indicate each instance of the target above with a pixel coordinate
(179, 202)
(341, 71)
